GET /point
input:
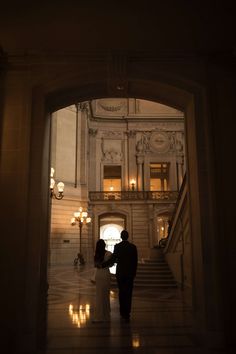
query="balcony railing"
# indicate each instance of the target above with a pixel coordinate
(168, 196)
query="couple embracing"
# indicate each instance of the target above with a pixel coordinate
(126, 257)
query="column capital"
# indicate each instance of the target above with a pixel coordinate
(82, 106)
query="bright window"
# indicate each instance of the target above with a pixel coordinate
(159, 176)
(112, 178)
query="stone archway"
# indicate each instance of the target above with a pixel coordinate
(151, 84)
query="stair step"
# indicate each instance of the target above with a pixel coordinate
(151, 285)
(152, 273)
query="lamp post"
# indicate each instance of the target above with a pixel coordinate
(81, 218)
(60, 187)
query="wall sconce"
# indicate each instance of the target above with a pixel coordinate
(60, 187)
(132, 183)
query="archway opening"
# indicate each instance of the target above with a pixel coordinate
(121, 153)
(185, 100)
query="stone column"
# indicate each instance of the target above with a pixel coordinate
(131, 135)
(140, 161)
(24, 178)
(173, 174)
(180, 169)
(83, 151)
(180, 158)
(92, 175)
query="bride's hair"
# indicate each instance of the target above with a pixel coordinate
(100, 251)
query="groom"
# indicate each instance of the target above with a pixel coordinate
(126, 256)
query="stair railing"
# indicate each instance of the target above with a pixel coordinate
(177, 249)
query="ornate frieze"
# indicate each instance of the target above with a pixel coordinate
(159, 141)
(112, 156)
(112, 105)
(112, 134)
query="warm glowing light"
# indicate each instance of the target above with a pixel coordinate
(132, 182)
(112, 294)
(52, 172)
(84, 214)
(75, 318)
(60, 187)
(72, 221)
(80, 317)
(135, 341)
(52, 183)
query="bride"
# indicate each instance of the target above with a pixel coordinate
(102, 279)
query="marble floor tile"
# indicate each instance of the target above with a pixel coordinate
(161, 322)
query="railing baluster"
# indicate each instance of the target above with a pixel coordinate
(134, 195)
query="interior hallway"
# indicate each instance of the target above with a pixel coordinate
(160, 321)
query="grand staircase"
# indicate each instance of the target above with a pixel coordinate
(153, 273)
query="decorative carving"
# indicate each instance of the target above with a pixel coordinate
(111, 108)
(140, 159)
(112, 134)
(167, 197)
(160, 142)
(112, 155)
(83, 106)
(111, 150)
(179, 146)
(143, 144)
(131, 133)
(93, 132)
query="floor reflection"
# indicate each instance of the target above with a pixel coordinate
(81, 316)
(161, 321)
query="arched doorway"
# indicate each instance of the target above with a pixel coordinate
(110, 227)
(162, 89)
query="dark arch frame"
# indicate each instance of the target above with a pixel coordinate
(183, 95)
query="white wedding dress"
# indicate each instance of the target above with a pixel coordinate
(103, 279)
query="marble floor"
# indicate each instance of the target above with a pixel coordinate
(160, 322)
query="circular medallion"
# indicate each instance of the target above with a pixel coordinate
(159, 141)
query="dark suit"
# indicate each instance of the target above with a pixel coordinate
(126, 256)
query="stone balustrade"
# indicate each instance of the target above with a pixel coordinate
(169, 196)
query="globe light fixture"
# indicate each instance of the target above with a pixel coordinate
(60, 187)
